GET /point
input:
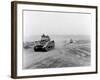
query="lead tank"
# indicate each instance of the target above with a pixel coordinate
(45, 44)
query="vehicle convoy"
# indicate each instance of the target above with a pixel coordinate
(45, 44)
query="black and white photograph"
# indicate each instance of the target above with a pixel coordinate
(54, 39)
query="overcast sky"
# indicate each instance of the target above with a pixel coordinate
(51, 23)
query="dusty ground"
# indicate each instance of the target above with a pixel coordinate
(64, 55)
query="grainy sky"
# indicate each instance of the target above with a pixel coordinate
(51, 23)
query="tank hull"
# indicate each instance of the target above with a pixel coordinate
(48, 46)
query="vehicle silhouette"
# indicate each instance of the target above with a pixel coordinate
(45, 44)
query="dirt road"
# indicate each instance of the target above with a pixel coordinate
(61, 56)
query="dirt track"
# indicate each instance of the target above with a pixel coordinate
(63, 55)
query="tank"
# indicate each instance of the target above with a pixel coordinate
(45, 44)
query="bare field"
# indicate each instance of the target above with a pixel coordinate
(65, 54)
